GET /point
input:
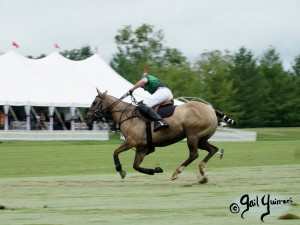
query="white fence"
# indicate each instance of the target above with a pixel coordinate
(54, 135)
(222, 134)
(228, 134)
(234, 135)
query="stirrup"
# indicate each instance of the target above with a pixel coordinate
(158, 125)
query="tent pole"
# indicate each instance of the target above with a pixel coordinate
(6, 122)
(27, 111)
(51, 118)
(72, 118)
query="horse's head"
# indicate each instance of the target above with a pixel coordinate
(96, 110)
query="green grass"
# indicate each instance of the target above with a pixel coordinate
(75, 183)
(277, 134)
(49, 158)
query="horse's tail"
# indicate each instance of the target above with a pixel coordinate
(225, 117)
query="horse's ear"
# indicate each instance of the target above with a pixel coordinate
(99, 93)
(105, 92)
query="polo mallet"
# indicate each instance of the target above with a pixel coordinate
(221, 153)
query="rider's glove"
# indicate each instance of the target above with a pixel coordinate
(130, 92)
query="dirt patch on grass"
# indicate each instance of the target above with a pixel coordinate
(288, 216)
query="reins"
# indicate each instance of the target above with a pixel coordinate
(99, 113)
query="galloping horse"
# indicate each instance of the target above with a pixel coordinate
(195, 121)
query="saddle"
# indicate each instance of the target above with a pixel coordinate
(165, 109)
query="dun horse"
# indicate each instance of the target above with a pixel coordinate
(195, 121)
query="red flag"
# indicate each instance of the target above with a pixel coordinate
(56, 46)
(15, 44)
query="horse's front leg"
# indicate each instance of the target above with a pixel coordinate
(123, 147)
(139, 157)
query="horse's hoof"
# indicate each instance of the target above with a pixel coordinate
(174, 177)
(122, 174)
(202, 168)
(204, 180)
(158, 169)
(202, 172)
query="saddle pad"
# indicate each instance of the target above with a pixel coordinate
(166, 111)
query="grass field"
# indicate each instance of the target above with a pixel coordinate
(74, 182)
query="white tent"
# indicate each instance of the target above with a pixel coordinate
(56, 81)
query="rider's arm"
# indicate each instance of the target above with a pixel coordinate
(140, 83)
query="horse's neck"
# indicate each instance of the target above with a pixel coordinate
(118, 109)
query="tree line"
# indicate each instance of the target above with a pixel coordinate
(255, 91)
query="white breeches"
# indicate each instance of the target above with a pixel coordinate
(162, 94)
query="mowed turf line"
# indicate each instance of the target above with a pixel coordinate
(76, 183)
(139, 199)
(26, 159)
(275, 146)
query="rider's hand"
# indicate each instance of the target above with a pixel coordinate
(130, 92)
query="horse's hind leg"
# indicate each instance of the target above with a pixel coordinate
(192, 145)
(211, 151)
(139, 157)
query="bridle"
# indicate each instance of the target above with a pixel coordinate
(99, 113)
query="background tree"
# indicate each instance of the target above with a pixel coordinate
(293, 104)
(213, 71)
(78, 54)
(181, 80)
(296, 67)
(249, 97)
(144, 47)
(38, 57)
(271, 70)
(136, 49)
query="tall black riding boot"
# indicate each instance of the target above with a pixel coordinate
(151, 114)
